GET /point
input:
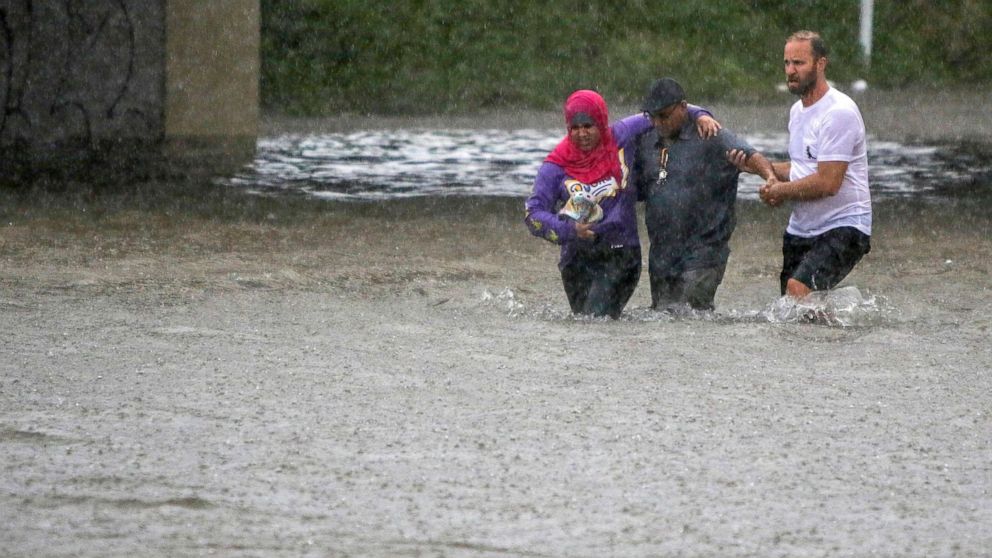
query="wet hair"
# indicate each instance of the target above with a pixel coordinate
(815, 41)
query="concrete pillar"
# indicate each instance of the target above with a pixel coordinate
(211, 68)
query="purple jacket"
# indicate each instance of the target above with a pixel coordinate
(619, 224)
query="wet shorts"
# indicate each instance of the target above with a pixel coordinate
(821, 262)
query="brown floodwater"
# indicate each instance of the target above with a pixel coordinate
(186, 369)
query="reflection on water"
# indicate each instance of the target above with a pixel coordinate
(385, 164)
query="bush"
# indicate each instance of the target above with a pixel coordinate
(323, 57)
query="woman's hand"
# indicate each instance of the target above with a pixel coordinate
(584, 231)
(707, 126)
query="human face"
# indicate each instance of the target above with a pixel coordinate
(670, 120)
(802, 71)
(584, 136)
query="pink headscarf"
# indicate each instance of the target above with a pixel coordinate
(603, 160)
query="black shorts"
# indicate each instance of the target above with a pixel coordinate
(821, 262)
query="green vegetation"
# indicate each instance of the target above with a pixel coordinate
(322, 57)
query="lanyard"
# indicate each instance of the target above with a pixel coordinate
(662, 165)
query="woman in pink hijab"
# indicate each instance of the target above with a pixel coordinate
(582, 200)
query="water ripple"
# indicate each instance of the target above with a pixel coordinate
(384, 164)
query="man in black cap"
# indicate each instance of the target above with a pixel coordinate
(689, 186)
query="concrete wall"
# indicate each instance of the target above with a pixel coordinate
(79, 71)
(78, 74)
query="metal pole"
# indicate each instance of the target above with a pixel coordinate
(867, 7)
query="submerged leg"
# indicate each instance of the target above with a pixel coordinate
(701, 285)
(796, 289)
(615, 282)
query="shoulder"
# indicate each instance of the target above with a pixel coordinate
(549, 169)
(728, 139)
(841, 109)
(550, 174)
(839, 103)
(647, 138)
(840, 98)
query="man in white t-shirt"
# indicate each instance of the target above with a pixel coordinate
(826, 177)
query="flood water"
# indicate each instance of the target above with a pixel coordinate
(375, 358)
(389, 164)
(382, 165)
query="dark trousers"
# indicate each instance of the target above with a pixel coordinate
(600, 280)
(695, 287)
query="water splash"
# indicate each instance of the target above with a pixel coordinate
(505, 300)
(843, 307)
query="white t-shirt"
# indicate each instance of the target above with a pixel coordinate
(830, 130)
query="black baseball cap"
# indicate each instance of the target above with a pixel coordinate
(662, 93)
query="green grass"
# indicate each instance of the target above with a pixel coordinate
(322, 57)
